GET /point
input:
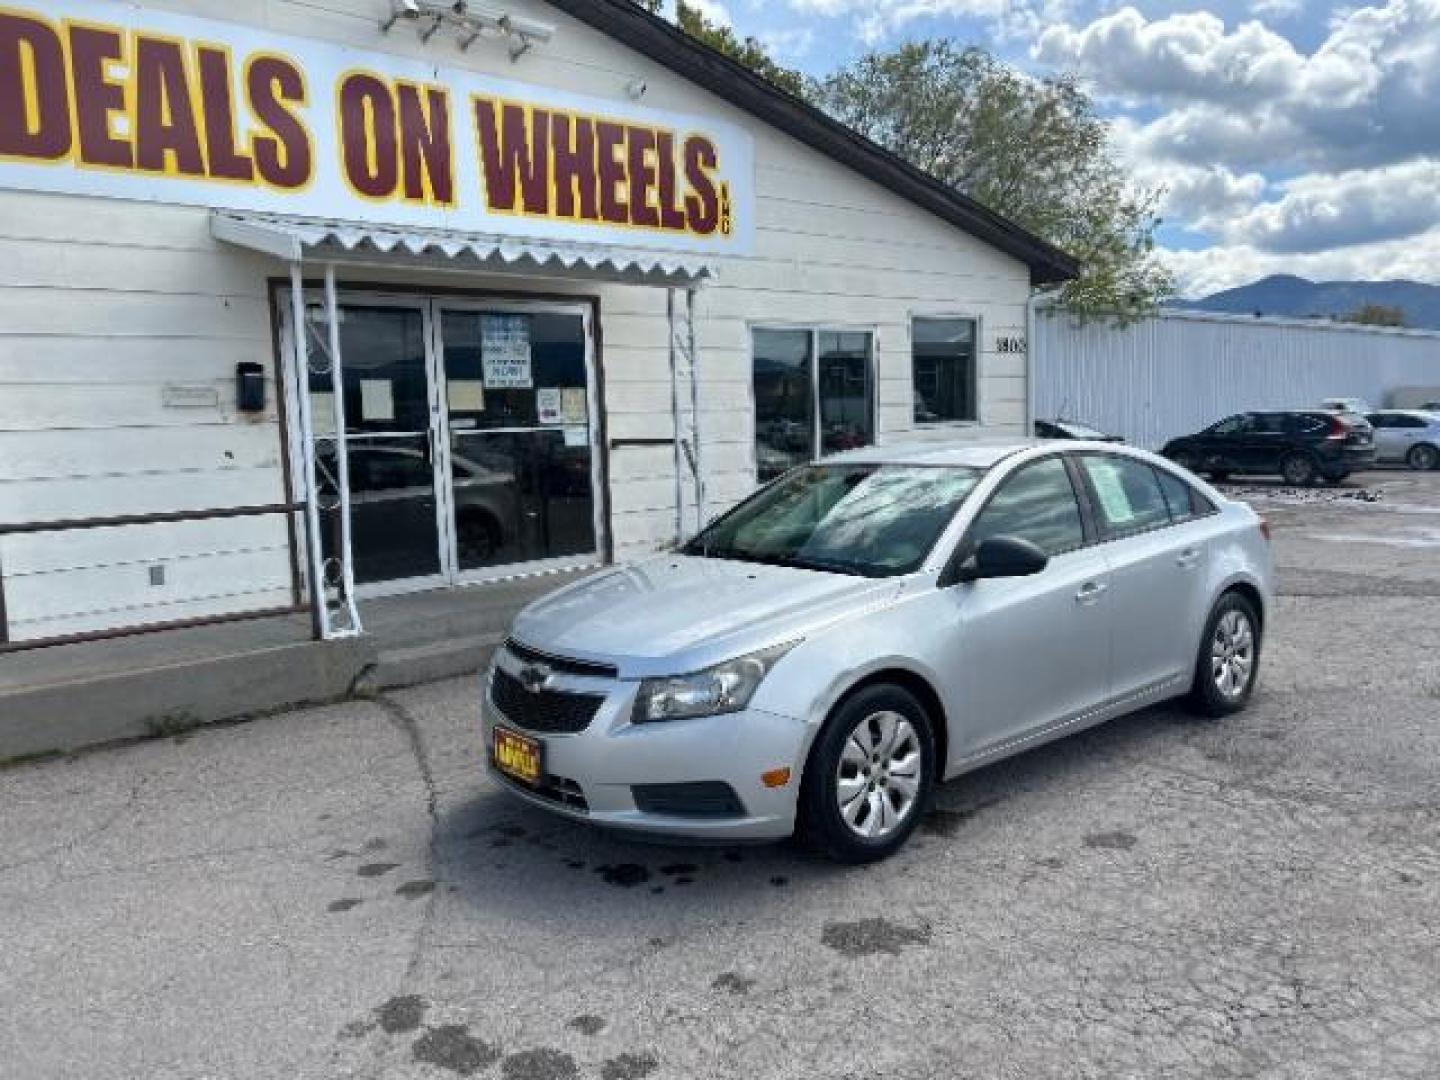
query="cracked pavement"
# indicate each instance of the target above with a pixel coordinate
(338, 892)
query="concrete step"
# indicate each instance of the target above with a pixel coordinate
(175, 695)
(415, 664)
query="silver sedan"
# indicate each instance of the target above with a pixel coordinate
(864, 627)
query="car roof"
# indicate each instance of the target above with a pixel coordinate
(975, 454)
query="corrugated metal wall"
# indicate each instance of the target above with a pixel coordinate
(1181, 371)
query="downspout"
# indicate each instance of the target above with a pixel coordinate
(342, 454)
(675, 418)
(1030, 351)
(699, 463)
(319, 621)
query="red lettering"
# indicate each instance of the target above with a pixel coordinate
(367, 136)
(640, 153)
(574, 166)
(513, 163)
(165, 125)
(609, 138)
(672, 214)
(425, 144)
(92, 50)
(283, 157)
(227, 161)
(34, 97)
(702, 205)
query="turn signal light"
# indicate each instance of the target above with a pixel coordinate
(775, 778)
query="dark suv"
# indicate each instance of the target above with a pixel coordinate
(1301, 446)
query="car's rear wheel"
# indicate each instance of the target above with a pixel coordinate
(1423, 457)
(870, 775)
(1298, 469)
(1229, 657)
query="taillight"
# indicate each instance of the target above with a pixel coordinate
(1265, 529)
(1338, 429)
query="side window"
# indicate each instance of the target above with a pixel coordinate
(1378, 421)
(1179, 496)
(1409, 422)
(1127, 492)
(1036, 504)
(1232, 425)
(1276, 423)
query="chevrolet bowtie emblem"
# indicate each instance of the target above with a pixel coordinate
(535, 677)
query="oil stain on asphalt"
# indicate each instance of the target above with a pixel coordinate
(542, 1064)
(452, 1047)
(629, 1067)
(870, 936)
(1111, 841)
(412, 889)
(375, 869)
(587, 1024)
(401, 1014)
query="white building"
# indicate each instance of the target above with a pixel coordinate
(515, 231)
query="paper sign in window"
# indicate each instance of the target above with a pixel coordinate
(377, 400)
(572, 405)
(505, 351)
(547, 404)
(577, 436)
(466, 395)
(1105, 478)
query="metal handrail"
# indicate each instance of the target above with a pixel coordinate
(166, 517)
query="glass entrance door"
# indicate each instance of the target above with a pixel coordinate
(394, 511)
(521, 466)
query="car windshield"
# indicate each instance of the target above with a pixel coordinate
(870, 520)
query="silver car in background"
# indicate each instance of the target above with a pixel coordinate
(864, 627)
(1411, 436)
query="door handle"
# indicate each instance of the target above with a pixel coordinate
(1090, 592)
(1188, 558)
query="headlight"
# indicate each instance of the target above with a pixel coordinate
(724, 688)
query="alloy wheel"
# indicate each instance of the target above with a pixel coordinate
(1232, 654)
(1424, 458)
(878, 781)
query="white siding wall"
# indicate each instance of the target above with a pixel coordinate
(103, 303)
(1182, 371)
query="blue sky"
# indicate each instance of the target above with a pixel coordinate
(1291, 136)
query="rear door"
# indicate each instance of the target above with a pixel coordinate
(1389, 436)
(1266, 440)
(1157, 571)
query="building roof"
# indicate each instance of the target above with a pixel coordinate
(629, 23)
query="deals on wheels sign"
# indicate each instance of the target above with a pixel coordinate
(104, 99)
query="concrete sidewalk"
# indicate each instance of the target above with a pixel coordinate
(71, 696)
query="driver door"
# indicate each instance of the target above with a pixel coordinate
(1027, 653)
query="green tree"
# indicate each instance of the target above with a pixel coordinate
(747, 50)
(1033, 150)
(1376, 315)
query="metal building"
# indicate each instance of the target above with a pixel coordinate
(1183, 370)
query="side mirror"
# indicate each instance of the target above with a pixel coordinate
(1002, 557)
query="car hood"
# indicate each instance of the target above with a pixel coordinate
(679, 613)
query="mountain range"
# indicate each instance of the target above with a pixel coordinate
(1296, 297)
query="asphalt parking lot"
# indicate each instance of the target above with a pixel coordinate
(340, 893)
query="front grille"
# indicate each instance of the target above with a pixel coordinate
(547, 711)
(561, 665)
(699, 799)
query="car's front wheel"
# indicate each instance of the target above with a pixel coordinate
(870, 775)
(1229, 657)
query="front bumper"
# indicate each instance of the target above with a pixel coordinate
(612, 756)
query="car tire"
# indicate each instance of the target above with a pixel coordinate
(850, 786)
(1423, 457)
(1228, 660)
(1298, 470)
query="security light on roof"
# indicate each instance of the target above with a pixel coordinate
(470, 21)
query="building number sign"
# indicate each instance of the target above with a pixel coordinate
(1011, 344)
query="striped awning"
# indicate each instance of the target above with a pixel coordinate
(296, 239)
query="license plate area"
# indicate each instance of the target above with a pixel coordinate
(518, 756)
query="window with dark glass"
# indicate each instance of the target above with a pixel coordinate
(947, 384)
(814, 395)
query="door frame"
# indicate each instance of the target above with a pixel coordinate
(430, 304)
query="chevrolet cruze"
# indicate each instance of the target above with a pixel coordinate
(862, 628)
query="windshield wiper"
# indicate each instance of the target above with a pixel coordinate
(796, 562)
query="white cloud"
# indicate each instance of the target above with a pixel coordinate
(1225, 266)
(788, 45)
(1248, 97)
(872, 21)
(713, 11)
(1277, 9)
